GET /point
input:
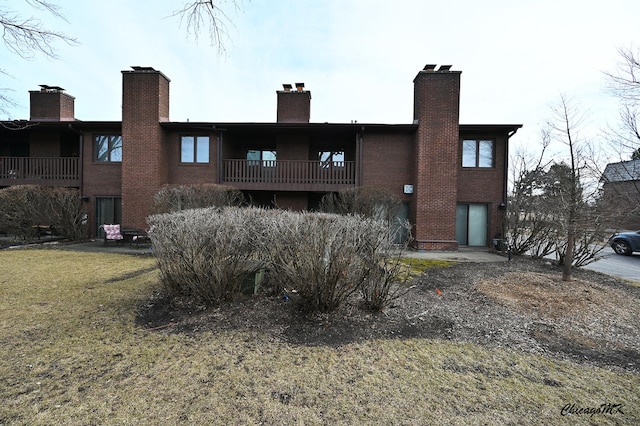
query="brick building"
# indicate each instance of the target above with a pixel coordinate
(621, 194)
(452, 178)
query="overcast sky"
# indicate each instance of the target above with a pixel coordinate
(357, 57)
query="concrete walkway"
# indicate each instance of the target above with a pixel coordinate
(465, 254)
(99, 247)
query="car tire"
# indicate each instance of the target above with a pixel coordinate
(621, 247)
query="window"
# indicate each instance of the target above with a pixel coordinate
(477, 153)
(331, 159)
(194, 149)
(267, 157)
(108, 148)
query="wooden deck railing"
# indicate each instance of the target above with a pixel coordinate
(289, 172)
(16, 170)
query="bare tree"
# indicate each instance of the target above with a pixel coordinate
(552, 206)
(564, 126)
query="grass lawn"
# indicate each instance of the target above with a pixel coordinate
(72, 354)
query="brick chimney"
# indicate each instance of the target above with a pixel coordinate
(50, 103)
(145, 104)
(437, 113)
(294, 106)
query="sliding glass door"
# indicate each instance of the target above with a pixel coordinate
(109, 211)
(472, 224)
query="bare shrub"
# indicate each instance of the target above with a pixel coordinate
(172, 198)
(385, 281)
(377, 203)
(21, 209)
(68, 213)
(326, 257)
(205, 253)
(25, 208)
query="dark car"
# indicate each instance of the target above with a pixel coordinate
(625, 243)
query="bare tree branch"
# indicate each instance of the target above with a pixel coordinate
(209, 16)
(625, 81)
(27, 36)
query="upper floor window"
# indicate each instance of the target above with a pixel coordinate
(331, 159)
(265, 157)
(194, 149)
(108, 148)
(478, 153)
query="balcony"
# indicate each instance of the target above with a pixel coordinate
(48, 171)
(289, 175)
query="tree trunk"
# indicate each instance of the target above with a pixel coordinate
(568, 258)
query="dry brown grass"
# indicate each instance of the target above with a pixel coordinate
(72, 354)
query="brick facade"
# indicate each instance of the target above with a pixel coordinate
(419, 161)
(145, 104)
(294, 106)
(387, 161)
(436, 109)
(51, 104)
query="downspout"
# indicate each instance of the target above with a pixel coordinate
(81, 174)
(506, 165)
(81, 157)
(219, 156)
(360, 137)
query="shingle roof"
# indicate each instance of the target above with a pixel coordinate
(622, 171)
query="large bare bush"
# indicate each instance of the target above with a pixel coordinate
(25, 208)
(205, 253)
(173, 198)
(68, 213)
(326, 258)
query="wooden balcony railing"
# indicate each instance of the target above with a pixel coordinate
(295, 175)
(39, 170)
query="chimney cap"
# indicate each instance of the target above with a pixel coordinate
(286, 87)
(142, 69)
(47, 88)
(300, 86)
(444, 68)
(429, 67)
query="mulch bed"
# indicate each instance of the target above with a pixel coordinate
(521, 305)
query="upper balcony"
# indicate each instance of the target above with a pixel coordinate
(289, 175)
(48, 171)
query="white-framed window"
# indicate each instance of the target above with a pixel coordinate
(478, 153)
(194, 149)
(108, 148)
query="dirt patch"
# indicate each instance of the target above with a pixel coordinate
(520, 305)
(547, 296)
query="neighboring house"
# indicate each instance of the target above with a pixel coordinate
(451, 178)
(621, 194)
